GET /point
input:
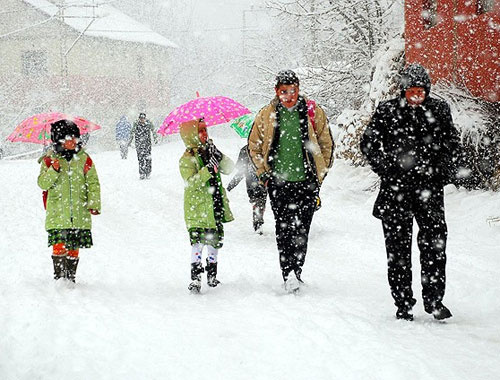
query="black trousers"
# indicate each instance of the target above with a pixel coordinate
(431, 239)
(145, 160)
(293, 208)
(259, 207)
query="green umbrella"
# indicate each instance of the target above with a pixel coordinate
(243, 124)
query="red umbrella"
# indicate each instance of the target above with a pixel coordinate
(36, 129)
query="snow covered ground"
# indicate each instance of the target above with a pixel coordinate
(130, 315)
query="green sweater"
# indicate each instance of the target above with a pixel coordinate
(289, 160)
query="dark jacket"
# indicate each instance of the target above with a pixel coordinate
(144, 133)
(245, 169)
(410, 148)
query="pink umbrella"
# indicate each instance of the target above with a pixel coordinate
(215, 110)
(36, 129)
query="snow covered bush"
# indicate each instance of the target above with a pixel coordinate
(350, 124)
(478, 123)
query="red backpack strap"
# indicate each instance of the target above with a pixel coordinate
(311, 109)
(47, 161)
(87, 166)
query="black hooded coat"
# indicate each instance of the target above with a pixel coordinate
(414, 150)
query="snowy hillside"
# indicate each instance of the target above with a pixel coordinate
(130, 315)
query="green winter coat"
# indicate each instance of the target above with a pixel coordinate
(198, 200)
(71, 193)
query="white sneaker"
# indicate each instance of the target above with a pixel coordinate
(292, 284)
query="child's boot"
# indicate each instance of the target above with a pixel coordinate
(59, 266)
(71, 265)
(212, 274)
(196, 271)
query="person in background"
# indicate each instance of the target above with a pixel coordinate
(144, 133)
(291, 147)
(257, 193)
(413, 146)
(72, 194)
(206, 206)
(122, 130)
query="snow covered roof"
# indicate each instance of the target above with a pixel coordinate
(109, 21)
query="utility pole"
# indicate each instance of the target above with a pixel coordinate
(64, 51)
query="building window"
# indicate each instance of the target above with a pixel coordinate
(429, 13)
(484, 6)
(34, 62)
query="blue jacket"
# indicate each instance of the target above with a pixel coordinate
(123, 128)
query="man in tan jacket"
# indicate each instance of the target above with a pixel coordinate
(291, 147)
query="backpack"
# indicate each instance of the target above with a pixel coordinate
(48, 161)
(311, 110)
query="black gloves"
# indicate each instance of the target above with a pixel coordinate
(264, 179)
(213, 151)
(211, 157)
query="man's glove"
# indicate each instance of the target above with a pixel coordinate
(264, 179)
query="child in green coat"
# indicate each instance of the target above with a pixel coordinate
(72, 194)
(206, 206)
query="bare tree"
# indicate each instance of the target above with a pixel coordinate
(339, 39)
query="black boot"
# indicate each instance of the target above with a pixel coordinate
(298, 274)
(196, 271)
(71, 265)
(212, 274)
(404, 311)
(59, 266)
(438, 310)
(257, 226)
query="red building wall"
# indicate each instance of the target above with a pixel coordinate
(463, 47)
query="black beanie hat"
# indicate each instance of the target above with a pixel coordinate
(62, 128)
(415, 75)
(286, 77)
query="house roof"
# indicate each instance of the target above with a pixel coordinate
(109, 21)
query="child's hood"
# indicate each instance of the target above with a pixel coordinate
(189, 134)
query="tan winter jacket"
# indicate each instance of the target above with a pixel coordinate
(262, 135)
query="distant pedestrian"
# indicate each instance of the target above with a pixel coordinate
(72, 194)
(123, 129)
(206, 206)
(144, 133)
(257, 193)
(291, 147)
(412, 144)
